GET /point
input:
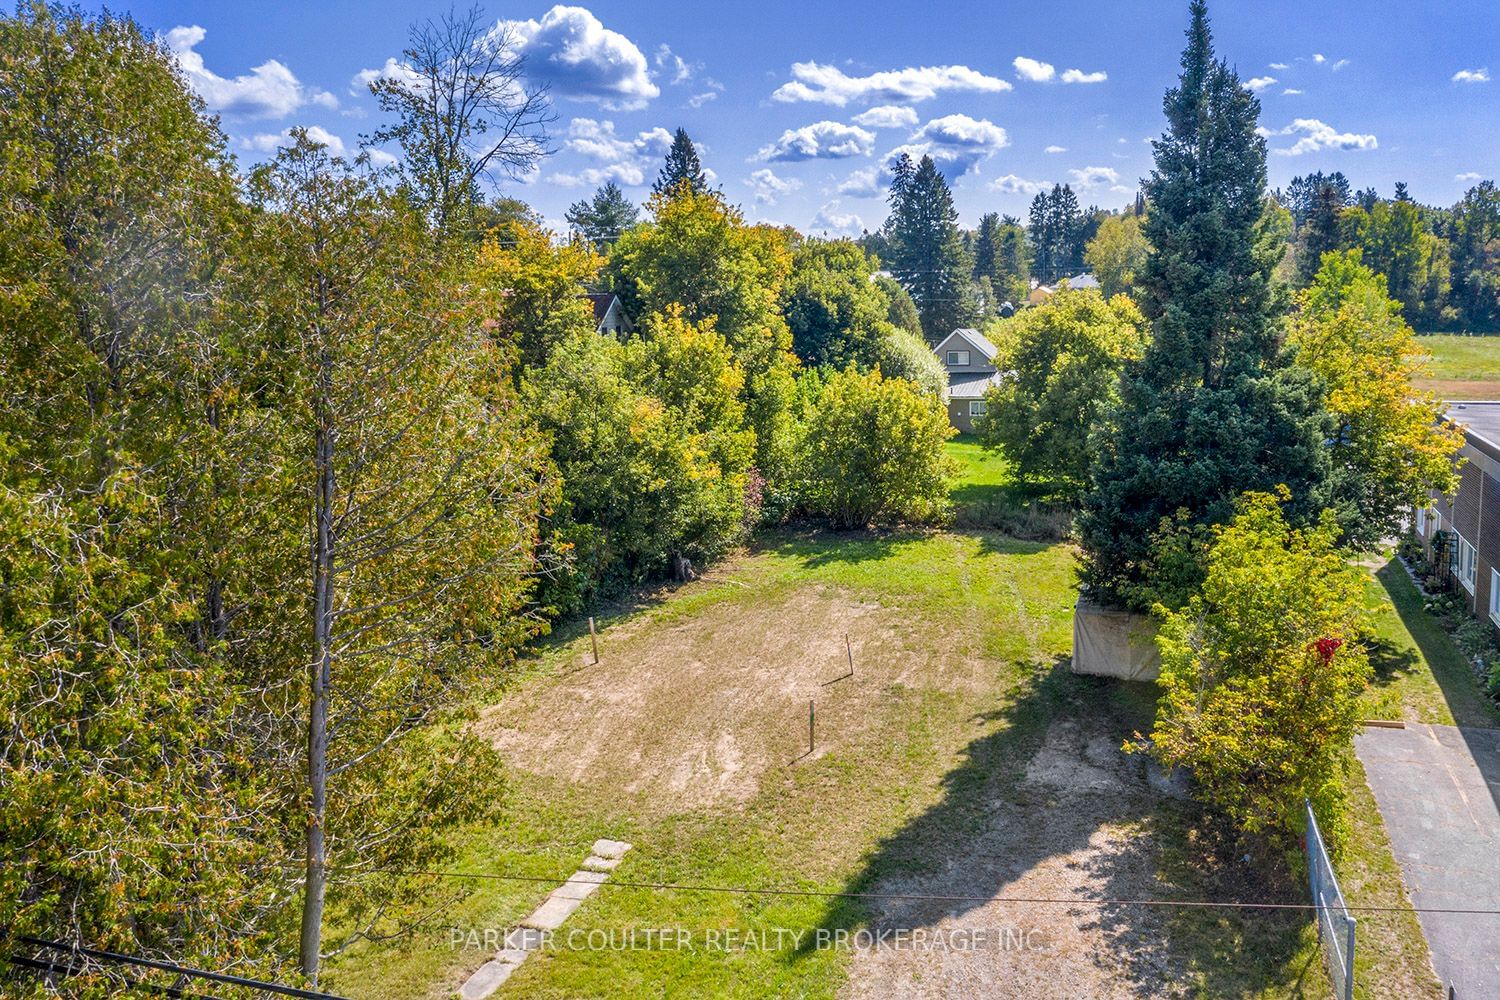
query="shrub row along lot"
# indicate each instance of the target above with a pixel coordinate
(961, 759)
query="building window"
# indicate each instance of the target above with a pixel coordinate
(1495, 596)
(959, 358)
(976, 407)
(1465, 562)
(1422, 522)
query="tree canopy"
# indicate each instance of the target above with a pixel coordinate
(1213, 409)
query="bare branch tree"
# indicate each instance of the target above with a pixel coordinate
(464, 113)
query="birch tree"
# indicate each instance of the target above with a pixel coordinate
(422, 486)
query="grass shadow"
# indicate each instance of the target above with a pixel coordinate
(1450, 668)
(1038, 793)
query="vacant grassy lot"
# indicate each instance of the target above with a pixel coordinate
(962, 759)
(1463, 367)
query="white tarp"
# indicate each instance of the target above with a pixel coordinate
(1112, 643)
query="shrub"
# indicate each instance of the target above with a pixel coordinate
(1064, 360)
(902, 354)
(1261, 673)
(872, 451)
(651, 439)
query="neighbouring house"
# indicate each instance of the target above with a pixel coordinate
(1039, 293)
(1081, 281)
(1460, 533)
(609, 314)
(969, 358)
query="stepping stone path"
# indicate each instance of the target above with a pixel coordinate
(531, 933)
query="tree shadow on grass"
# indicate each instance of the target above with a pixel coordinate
(815, 547)
(1450, 668)
(1044, 803)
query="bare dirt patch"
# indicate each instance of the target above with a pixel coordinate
(1460, 388)
(694, 713)
(1069, 830)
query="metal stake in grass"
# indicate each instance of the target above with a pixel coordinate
(850, 650)
(594, 638)
(809, 725)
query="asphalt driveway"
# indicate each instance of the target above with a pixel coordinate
(1437, 788)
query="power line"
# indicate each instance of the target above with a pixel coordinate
(614, 883)
(160, 966)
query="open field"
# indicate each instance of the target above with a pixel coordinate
(961, 759)
(1463, 367)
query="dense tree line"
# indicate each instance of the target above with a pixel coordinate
(295, 459)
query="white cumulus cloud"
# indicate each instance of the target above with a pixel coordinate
(1011, 184)
(269, 90)
(862, 183)
(1079, 76)
(1034, 70)
(269, 142)
(1261, 82)
(1472, 76)
(1091, 177)
(622, 160)
(1316, 135)
(767, 187)
(957, 143)
(887, 116)
(1471, 176)
(820, 140)
(1055, 149)
(830, 220)
(571, 51)
(826, 84)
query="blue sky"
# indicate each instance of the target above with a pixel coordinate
(795, 105)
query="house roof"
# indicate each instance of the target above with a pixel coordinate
(1481, 420)
(975, 339)
(1082, 281)
(602, 302)
(965, 386)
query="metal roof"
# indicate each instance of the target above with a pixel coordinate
(1480, 419)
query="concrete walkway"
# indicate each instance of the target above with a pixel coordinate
(531, 934)
(1437, 787)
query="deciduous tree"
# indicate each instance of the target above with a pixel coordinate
(465, 112)
(1262, 671)
(1062, 361)
(1389, 445)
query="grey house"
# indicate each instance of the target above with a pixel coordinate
(609, 314)
(1461, 533)
(969, 358)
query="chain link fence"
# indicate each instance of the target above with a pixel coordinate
(1335, 925)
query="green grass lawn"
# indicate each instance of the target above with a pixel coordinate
(1463, 367)
(984, 476)
(1420, 675)
(1455, 356)
(961, 639)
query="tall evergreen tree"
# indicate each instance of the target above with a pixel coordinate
(1011, 256)
(986, 239)
(1213, 409)
(682, 167)
(1058, 234)
(601, 219)
(1320, 232)
(927, 250)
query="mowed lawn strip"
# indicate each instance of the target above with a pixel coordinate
(1462, 367)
